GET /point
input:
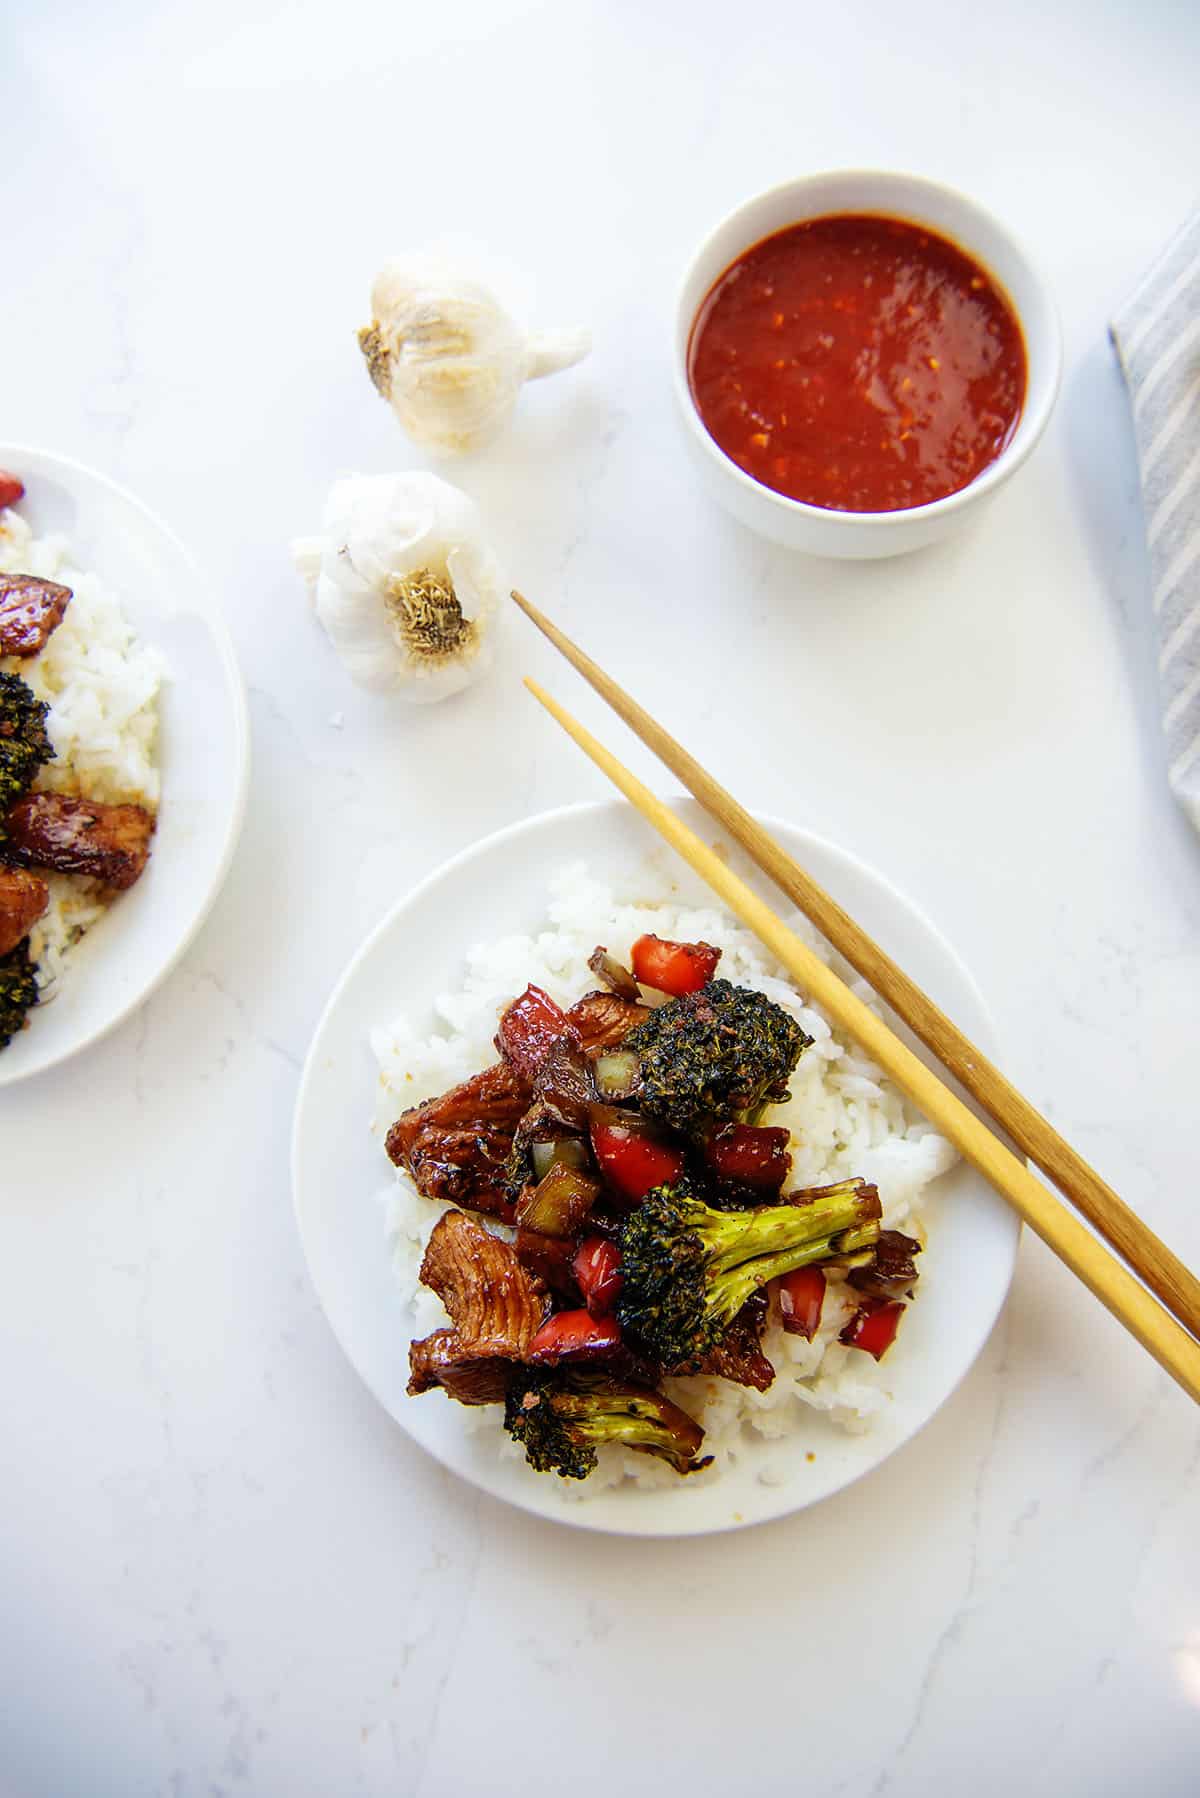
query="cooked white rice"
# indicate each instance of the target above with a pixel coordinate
(845, 1118)
(102, 687)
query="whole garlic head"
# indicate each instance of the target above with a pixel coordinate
(446, 356)
(404, 583)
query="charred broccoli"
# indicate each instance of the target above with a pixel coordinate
(18, 991)
(688, 1269)
(714, 1055)
(561, 1418)
(24, 744)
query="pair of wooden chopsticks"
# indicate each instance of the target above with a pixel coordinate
(1169, 1334)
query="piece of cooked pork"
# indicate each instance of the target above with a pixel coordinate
(31, 610)
(79, 836)
(602, 1020)
(23, 899)
(455, 1147)
(497, 1307)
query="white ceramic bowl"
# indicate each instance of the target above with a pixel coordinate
(203, 754)
(816, 529)
(499, 888)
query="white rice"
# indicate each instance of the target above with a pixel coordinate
(102, 688)
(845, 1118)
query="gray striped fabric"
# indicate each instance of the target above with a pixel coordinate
(1158, 341)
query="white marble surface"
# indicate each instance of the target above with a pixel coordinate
(222, 1569)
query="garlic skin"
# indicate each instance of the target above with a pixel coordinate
(446, 356)
(404, 583)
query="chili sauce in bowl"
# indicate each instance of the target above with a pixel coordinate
(858, 363)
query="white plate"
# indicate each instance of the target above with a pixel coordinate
(339, 1169)
(203, 754)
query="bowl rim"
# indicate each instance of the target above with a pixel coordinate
(1030, 425)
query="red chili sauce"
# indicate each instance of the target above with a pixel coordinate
(858, 363)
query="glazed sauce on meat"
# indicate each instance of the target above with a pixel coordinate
(858, 363)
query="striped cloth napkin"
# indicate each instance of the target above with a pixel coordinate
(1157, 337)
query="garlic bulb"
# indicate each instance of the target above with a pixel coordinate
(447, 357)
(404, 583)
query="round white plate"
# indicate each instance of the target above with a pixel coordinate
(339, 1170)
(203, 754)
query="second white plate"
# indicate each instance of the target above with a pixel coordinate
(203, 754)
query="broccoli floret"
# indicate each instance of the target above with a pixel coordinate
(561, 1418)
(714, 1055)
(688, 1269)
(24, 744)
(18, 991)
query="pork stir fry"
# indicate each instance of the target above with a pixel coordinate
(23, 899)
(497, 1307)
(31, 610)
(111, 843)
(651, 1230)
(457, 1147)
(45, 832)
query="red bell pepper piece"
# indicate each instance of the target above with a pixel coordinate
(873, 1327)
(527, 1028)
(674, 968)
(633, 1162)
(12, 488)
(574, 1336)
(750, 1155)
(801, 1296)
(597, 1270)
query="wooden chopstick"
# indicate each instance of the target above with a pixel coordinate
(1072, 1242)
(1150, 1258)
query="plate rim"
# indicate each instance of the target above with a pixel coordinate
(575, 1516)
(18, 455)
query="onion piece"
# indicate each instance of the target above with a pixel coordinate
(616, 1074)
(569, 1151)
(557, 1205)
(613, 973)
(652, 997)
